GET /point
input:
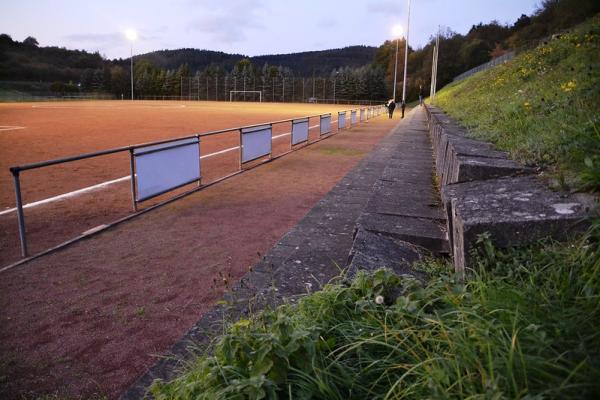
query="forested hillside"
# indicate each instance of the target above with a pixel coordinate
(459, 53)
(543, 107)
(303, 64)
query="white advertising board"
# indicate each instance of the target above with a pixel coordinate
(163, 167)
(341, 120)
(353, 117)
(362, 114)
(299, 131)
(325, 124)
(256, 142)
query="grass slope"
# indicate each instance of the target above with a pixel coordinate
(543, 106)
(527, 328)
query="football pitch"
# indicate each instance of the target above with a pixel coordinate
(64, 200)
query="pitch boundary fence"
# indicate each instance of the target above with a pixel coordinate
(484, 67)
(159, 167)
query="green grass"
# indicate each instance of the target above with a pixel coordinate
(526, 326)
(543, 107)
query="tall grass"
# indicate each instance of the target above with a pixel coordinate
(543, 107)
(527, 326)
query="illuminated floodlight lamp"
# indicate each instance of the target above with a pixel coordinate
(131, 35)
(397, 32)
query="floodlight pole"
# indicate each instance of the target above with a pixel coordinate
(435, 65)
(406, 56)
(132, 70)
(334, 83)
(395, 70)
(432, 70)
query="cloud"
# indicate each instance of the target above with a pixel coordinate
(95, 38)
(111, 39)
(392, 8)
(227, 21)
(326, 23)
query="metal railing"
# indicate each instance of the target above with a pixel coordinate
(314, 100)
(138, 150)
(530, 44)
(483, 67)
(25, 97)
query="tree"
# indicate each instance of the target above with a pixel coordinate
(6, 39)
(119, 81)
(97, 80)
(498, 51)
(31, 41)
(86, 79)
(522, 22)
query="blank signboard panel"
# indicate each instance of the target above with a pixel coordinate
(299, 131)
(256, 142)
(353, 117)
(362, 114)
(342, 120)
(325, 124)
(166, 166)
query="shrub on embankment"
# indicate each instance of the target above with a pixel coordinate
(526, 326)
(543, 106)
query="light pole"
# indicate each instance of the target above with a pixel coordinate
(434, 66)
(131, 35)
(334, 82)
(397, 32)
(406, 56)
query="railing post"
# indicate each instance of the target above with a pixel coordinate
(241, 151)
(199, 160)
(20, 215)
(271, 152)
(292, 136)
(132, 171)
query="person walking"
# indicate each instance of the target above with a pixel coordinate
(421, 95)
(403, 106)
(391, 107)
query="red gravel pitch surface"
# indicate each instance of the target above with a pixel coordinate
(55, 130)
(89, 319)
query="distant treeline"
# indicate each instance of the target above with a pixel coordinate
(356, 72)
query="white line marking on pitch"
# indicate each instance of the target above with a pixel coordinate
(107, 107)
(220, 152)
(67, 195)
(112, 182)
(10, 128)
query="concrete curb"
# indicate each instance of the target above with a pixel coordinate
(483, 191)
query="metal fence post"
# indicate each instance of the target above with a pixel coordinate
(20, 215)
(271, 152)
(241, 151)
(132, 170)
(199, 160)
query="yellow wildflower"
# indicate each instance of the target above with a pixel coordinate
(569, 86)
